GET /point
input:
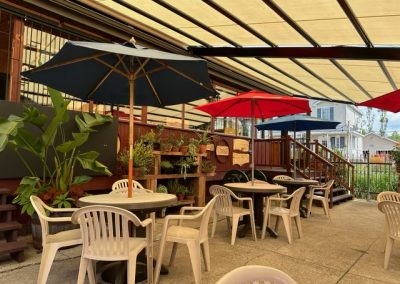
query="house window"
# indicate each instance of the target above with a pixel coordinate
(341, 142)
(325, 113)
(333, 144)
(325, 143)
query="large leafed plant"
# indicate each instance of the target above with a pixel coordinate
(59, 152)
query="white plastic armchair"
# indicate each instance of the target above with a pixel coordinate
(195, 239)
(326, 189)
(52, 242)
(256, 274)
(121, 187)
(286, 213)
(282, 177)
(391, 209)
(388, 196)
(224, 207)
(106, 236)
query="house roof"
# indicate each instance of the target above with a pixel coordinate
(381, 137)
(345, 51)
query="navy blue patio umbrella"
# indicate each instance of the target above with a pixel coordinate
(120, 74)
(296, 123)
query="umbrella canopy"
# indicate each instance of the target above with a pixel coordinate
(389, 101)
(256, 104)
(297, 122)
(119, 74)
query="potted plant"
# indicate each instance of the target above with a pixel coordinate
(207, 166)
(165, 146)
(166, 167)
(162, 189)
(202, 141)
(176, 144)
(181, 192)
(142, 158)
(190, 194)
(58, 152)
(185, 164)
(183, 147)
(173, 186)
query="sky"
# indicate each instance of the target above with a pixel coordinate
(393, 124)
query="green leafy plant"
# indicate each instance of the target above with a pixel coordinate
(203, 138)
(395, 154)
(55, 177)
(142, 157)
(182, 189)
(149, 137)
(185, 164)
(207, 166)
(173, 185)
(162, 189)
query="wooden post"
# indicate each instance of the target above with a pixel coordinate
(144, 114)
(183, 117)
(17, 47)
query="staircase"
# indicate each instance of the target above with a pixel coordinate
(9, 229)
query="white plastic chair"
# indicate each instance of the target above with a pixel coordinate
(224, 207)
(256, 274)
(193, 238)
(391, 209)
(52, 242)
(326, 188)
(121, 187)
(282, 177)
(388, 196)
(286, 213)
(106, 236)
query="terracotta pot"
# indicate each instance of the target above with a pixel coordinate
(138, 172)
(175, 149)
(184, 149)
(189, 197)
(180, 196)
(202, 148)
(165, 147)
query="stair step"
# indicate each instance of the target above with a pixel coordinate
(335, 190)
(7, 207)
(342, 197)
(9, 226)
(5, 191)
(12, 247)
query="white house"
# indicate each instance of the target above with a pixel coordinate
(377, 144)
(346, 137)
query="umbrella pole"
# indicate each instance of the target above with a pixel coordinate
(294, 154)
(131, 128)
(252, 142)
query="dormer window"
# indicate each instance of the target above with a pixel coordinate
(325, 113)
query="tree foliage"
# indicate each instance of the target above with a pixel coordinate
(383, 123)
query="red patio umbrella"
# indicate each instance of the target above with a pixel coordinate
(389, 101)
(256, 104)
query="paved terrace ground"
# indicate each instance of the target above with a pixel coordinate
(347, 250)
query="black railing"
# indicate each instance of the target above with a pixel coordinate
(373, 178)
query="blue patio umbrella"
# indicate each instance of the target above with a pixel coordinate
(120, 74)
(296, 123)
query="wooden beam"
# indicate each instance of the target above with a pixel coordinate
(17, 47)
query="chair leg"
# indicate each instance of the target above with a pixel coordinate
(265, 223)
(48, 255)
(83, 268)
(229, 223)
(205, 249)
(287, 224)
(277, 223)
(173, 254)
(159, 259)
(91, 271)
(326, 208)
(194, 252)
(131, 269)
(235, 223)
(149, 254)
(214, 224)
(388, 251)
(298, 226)
(309, 206)
(253, 225)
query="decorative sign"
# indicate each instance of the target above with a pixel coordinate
(240, 159)
(241, 145)
(222, 151)
(210, 147)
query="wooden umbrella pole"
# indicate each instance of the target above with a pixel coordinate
(252, 142)
(131, 130)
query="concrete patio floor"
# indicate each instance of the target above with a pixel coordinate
(347, 250)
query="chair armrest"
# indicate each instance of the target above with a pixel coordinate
(189, 208)
(146, 222)
(245, 199)
(72, 210)
(58, 219)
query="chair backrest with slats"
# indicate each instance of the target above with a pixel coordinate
(388, 196)
(223, 203)
(40, 209)
(328, 187)
(391, 209)
(205, 217)
(105, 231)
(121, 187)
(282, 177)
(296, 199)
(256, 274)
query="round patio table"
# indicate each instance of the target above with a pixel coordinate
(140, 204)
(257, 191)
(294, 184)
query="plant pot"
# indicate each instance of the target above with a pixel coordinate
(180, 196)
(207, 171)
(202, 148)
(54, 227)
(165, 147)
(167, 171)
(189, 197)
(138, 172)
(175, 149)
(184, 149)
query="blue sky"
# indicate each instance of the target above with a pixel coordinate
(393, 124)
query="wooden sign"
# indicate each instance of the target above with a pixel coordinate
(222, 151)
(240, 159)
(241, 145)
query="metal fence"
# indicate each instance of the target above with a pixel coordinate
(372, 178)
